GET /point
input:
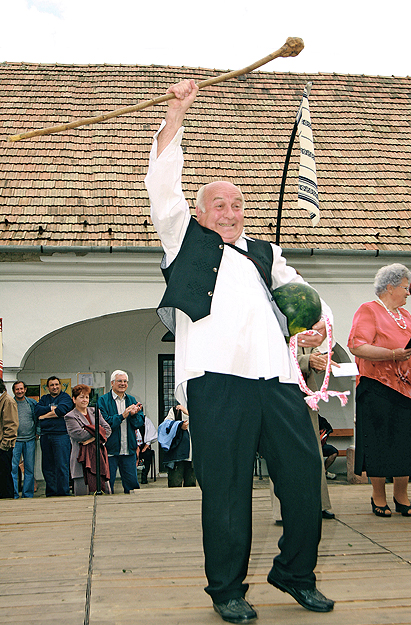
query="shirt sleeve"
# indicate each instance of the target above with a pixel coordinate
(303, 357)
(104, 424)
(42, 407)
(170, 415)
(75, 429)
(114, 420)
(150, 435)
(363, 330)
(33, 404)
(10, 424)
(64, 404)
(136, 420)
(170, 212)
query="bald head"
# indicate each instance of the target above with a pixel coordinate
(220, 207)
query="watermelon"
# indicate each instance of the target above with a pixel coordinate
(300, 303)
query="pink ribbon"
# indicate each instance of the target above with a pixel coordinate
(313, 397)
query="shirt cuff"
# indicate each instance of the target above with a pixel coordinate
(174, 143)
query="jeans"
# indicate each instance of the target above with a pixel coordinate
(28, 449)
(128, 471)
(55, 449)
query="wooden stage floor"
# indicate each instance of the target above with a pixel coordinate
(137, 559)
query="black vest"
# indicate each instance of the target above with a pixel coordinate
(192, 275)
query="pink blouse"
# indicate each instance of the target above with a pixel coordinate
(372, 325)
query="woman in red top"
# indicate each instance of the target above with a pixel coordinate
(379, 335)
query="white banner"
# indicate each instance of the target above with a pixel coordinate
(307, 174)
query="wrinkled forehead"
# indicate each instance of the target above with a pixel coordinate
(222, 190)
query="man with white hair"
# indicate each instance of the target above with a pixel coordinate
(233, 372)
(124, 414)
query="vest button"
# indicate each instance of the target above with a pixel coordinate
(221, 246)
(210, 293)
(215, 269)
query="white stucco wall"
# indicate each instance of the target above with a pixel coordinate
(67, 314)
(42, 297)
(63, 289)
(129, 341)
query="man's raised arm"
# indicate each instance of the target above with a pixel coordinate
(185, 93)
(170, 212)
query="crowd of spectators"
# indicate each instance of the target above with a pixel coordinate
(65, 426)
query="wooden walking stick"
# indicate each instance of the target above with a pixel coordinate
(292, 47)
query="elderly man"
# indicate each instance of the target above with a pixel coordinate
(234, 370)
(124, 414)
(54, 441)
(9, 423)
(26, 440)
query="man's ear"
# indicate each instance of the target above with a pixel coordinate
(199, 212)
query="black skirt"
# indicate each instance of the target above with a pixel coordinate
(383, 430)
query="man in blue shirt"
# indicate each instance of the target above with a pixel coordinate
(26, 440)
(54, 440)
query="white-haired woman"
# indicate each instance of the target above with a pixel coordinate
(379, 335)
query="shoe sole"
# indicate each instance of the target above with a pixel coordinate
(307, 606)
(234, 619)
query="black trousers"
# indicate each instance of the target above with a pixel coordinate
(230, 419)
(6, 480)
(182, 474)
(147, 457)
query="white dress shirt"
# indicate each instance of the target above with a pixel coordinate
(150, 433)
(241, 336)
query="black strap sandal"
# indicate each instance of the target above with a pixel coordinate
(380, 510)
(402, 508)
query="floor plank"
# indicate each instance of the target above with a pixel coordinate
(147, 565)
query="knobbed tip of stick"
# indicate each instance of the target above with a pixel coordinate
(292, 46)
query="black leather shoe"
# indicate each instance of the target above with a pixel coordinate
(309, 598)
(143, 479)
(236, 611)
(328, 515)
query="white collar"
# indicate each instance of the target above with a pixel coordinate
(115, 396)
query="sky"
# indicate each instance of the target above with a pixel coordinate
(349, 37)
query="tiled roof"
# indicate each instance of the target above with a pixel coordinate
(85, 186)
